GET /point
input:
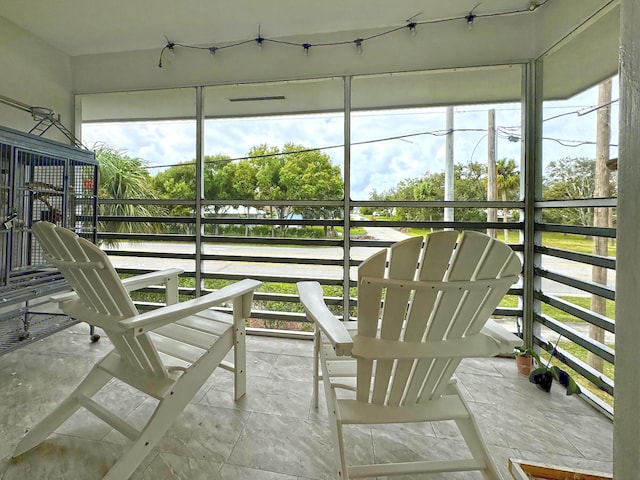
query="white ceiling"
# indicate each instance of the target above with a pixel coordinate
(115, 44)
(85, 27)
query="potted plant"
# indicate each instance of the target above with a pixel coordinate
(543, 375)
(524, 360)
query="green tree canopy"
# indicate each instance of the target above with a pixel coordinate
(569, 178)
(469, 181)
(123, 177)
(507, 179)
(310, 175)
(293, 173)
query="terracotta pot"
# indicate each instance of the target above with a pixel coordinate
(524, 364)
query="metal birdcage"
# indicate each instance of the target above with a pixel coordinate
(39, 180)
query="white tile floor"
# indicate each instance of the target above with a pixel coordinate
(274, 433)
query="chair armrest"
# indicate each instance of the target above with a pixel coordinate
(312, 299)
(148, 321)
(506, 340)
(131, 283)
(146, 280)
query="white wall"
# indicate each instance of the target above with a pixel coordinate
(35, 74)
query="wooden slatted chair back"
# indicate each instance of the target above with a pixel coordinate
(444, 289)
(102, 299)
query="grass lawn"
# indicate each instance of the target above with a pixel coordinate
(575, 243)
(581, 353)
(511, 301)
(562, 241)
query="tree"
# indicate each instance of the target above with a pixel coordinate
(268, 164)
(244, 184)
(217, 183)
(373, 195)
(179, 183)
(310, 175)
(470, 182)
(126, 178)
(429, 187)
(507, 182)
(268, 174)
(569, 178)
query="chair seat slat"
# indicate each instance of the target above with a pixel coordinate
(176, 349)
(208, 321)
(187, 335)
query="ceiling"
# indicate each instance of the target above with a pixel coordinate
(89, 27)
(114, 47)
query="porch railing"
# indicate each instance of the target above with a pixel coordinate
(560, 326)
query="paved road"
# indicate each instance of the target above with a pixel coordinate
(572, 269)
(248, 268)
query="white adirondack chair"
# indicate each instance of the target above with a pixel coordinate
(420, 312)
(166, 353)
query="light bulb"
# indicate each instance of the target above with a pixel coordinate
(470, 19)
(358, 43)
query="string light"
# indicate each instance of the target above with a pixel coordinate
(358, 42)
(470, 19)
(259, 38)
(169, 46)
(412, 26)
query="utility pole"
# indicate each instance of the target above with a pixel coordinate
(448, 168)
(492, 191)
(601, 214)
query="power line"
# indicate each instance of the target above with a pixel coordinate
(435, 133)
(509, 133)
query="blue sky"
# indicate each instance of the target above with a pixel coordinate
(377, 165)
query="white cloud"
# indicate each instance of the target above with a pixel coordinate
(377, 165)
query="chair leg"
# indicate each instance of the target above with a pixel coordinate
(239, 360)
(96, 379)
(471, 434)
(336, 428)
(338, 443)
(317, 344)
(165, 414)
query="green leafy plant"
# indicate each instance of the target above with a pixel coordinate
(525, 351)
(544, 374)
